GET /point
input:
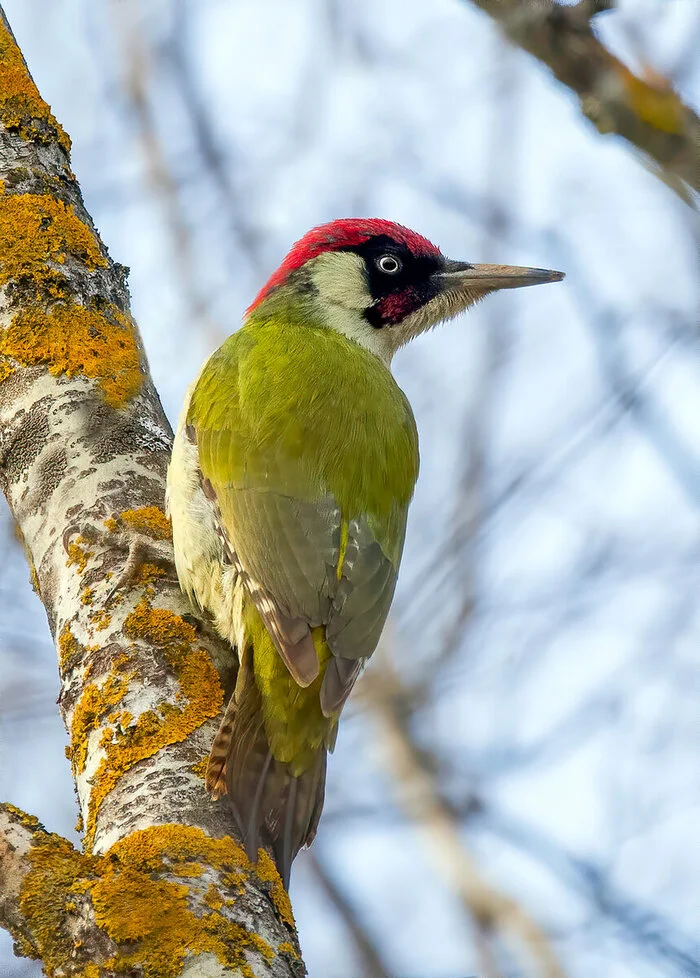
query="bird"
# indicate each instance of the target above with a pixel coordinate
(292, 470)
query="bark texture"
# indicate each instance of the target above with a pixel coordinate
(643, 109)
(162, 887)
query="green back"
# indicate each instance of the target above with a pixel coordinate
(292, 406)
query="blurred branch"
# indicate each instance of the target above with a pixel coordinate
(651, 933)
(645, 111)
(244, 236)
(136, 79)
(493, 913)
(372, 964)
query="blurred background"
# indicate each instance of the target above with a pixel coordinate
(515, 779)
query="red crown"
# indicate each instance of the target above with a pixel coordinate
(346, 233)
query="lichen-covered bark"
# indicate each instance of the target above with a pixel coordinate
(644, 110)
(161, 887)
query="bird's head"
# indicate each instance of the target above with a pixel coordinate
(381, 284)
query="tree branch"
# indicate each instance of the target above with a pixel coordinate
(161, 885)
(645, 111)
(492, 912)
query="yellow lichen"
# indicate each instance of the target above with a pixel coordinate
(6, 370)
(38, 232)
(200, 691)
(22, 109)
(101, 619)
(57, 876)
(147, 520)
(147, 573)
(73, 340)
(213, 898)
(122, 719)
(87, 595)
(267, 871)
(653, 100)
(286, 947)
(200, 768)
(76, 554)
(141, 893)
(90, 710)
(131, 906)
(70, 651)
(28, 821)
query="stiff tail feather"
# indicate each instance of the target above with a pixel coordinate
(271, 805)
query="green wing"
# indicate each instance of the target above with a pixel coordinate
(311, 549)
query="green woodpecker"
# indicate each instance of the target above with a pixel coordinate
(292, 471)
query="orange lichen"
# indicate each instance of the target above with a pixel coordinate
(76, 554)
(286, 947)
(48, 895)
(91, 708)
(134, 908)
(101, 619)
(22, 109)
(70, 651)
(74, 340)
(267, 871)
(200, 768)
(148, 520)
(142, 892)
(653, 100)
(38, 232)
(200, 693)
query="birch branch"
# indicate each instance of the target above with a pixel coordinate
(643, 110)
(161, 888)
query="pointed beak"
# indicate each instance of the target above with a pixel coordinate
(461, 277)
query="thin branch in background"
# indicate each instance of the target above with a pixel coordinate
(650, 116)
(651, 934)
(491, 911)
(369, 953)
(136, 79)
(244, 237)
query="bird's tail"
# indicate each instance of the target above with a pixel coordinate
(271, 804)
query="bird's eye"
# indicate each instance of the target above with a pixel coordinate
(389, 264)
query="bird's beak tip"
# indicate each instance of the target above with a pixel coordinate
(493, 277)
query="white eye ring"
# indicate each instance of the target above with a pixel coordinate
(389, 264)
